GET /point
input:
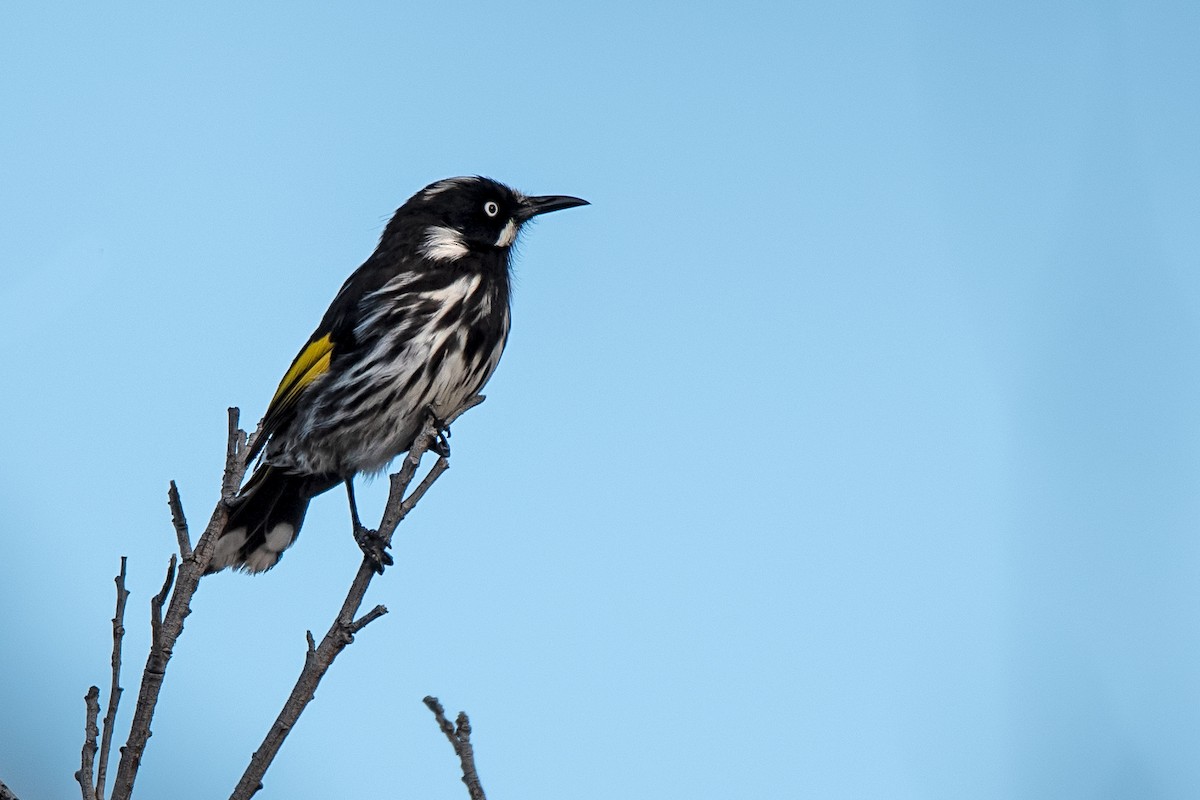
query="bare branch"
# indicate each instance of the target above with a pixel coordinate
(179, 588)
(397, 507)
(114, 694)
(412, 461)
(366, 619)
(176, 595)
(460, 739)
(316, 663)
(180, 522)
(341, 633)
(156, 607)
(235, 446)
(87, 766)
(470, 403)
(440, 466)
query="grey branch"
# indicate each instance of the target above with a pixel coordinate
(318, 659)
(176, 595)
(180, 522)
(366, 619)
(94, 790)
(459, 735)
(87, 765)
(156, 606)
(172, 605)
(114, 693)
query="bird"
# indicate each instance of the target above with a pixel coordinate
(417, 329)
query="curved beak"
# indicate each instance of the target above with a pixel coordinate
(532, 206)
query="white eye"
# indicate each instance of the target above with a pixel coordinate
(490, 208)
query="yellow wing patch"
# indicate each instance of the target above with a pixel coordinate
(312, 363)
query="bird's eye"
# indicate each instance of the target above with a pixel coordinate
(490, 208)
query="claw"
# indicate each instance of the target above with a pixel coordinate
(374, 547)
(441, 444)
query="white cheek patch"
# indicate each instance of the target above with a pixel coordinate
(443, 244)
(508, 235)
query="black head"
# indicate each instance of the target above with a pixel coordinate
(463, 215)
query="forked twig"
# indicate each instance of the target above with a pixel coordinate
(176, 596)
(92, 773)
(114, 694)
(172, 605)
(318, 658)
(87, 765)
(459, 735)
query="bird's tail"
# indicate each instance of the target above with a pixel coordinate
(264, 519)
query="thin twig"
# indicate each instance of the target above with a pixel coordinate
(87, 765)
(367, 618)
(156, 606)
(114, 694)
(398, 506)
(439, 466)
(180, 522)
(470, 403)
(168, 626)
(316, 663)
(460, 738)
(318, 659)
(234, 443)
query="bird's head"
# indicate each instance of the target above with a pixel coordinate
(458, 216)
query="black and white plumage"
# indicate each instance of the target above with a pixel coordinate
(420, 325)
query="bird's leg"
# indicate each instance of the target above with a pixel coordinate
(441, 444)
(373, 545)
(353, 504)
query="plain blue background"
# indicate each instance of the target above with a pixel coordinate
(847, 446)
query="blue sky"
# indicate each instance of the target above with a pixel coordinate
(846, 446)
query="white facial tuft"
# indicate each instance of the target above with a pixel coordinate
(445, 185)
(443, 244)
(508, 234)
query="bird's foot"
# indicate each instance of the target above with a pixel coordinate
(374, 547)
(441, 443)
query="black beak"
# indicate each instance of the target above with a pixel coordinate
(532, 206)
